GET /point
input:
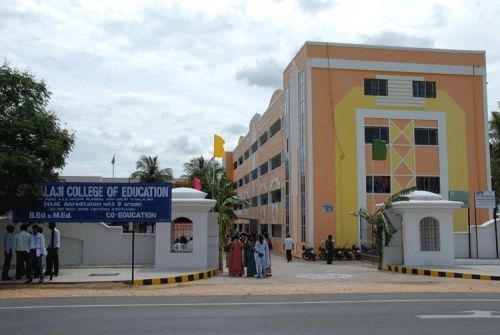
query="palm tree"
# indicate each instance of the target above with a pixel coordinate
(148, 170)
(207, 170)
(215, 182)
(382, 226)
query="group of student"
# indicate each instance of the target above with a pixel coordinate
(30, 248)
(250, 251)
(182, 244)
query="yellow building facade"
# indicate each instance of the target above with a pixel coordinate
(427, 105)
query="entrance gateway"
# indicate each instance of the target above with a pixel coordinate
(95, 243)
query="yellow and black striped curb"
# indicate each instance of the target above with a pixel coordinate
(433, 273)
(176, 279)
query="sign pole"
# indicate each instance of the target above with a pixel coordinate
(133, 251)
(475, 224)
(468, 231)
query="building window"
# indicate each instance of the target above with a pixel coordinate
(263, 199)
(235, 165)
(376, 87)
(276, 161)
(181, 235)
(430, 184)
(376, 133)
(240, 160)
(276, 230)
(275, 128)
(426, 136)
(254, 147)
(263, 169)
(254, 174)
(424, 89)
(246, 179)
(276, 196)
(429, 234)
(378, 184)
(254, 202)
(246, 155)
(263, 139)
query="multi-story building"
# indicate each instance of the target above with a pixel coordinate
(257, 167)
(428, 105)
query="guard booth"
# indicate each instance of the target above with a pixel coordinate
(424, 231)
(191, 239)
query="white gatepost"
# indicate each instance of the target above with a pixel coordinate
(188, 205)
(425, 231)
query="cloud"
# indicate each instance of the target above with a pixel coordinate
(265, 73)
(235, 129)
(314, 6)
(392, 38)
(438, 15)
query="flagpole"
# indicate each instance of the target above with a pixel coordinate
(113, 175)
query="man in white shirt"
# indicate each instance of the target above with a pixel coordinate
(288, 246)
(22, 246)
(53, 251)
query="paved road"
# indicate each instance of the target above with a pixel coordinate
(337, 314)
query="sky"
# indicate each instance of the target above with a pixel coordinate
(160, 78)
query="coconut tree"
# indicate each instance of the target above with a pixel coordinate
(224, 192)
(207, 170)
(215, 182)
(382, 226)
(148, 170)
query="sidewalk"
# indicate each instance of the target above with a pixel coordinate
(480, 269)
(298, 271)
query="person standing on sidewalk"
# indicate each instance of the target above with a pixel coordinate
(37, 250)
(288, 246)
(269, 271)
(53, 251)
(261, 257)
(8, 245)
(329, 246)
(22, 243)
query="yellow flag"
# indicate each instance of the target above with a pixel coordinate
(218, 146)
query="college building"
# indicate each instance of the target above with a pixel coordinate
(306, 163)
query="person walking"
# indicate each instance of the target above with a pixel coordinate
(288, 246)
(52, 259)
(8, 245)
(329, 246)
(261, 257)
(22, 246)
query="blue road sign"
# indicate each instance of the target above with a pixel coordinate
(99, 202)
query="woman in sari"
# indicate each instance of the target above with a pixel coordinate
(236, 257)
(250, 258)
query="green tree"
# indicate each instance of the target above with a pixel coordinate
(494, 125)
(148, 170)
(206, 170)
(217, 185)
(33, 145)
(383, 229)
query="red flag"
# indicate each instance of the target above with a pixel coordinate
(197, 184)
(113, 160)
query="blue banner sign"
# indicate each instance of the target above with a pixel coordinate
(99, 202)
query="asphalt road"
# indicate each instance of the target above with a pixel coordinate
(297, 314)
